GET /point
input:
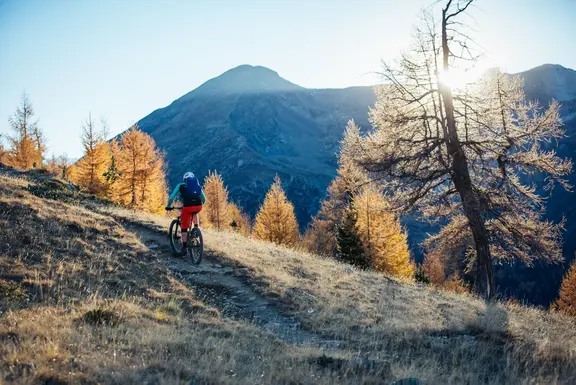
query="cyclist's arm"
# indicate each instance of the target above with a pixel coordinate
(173, 195)
(203, 197)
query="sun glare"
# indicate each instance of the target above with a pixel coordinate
(458, 79)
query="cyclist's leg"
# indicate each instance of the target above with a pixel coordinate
(195, 211)
(185, 218)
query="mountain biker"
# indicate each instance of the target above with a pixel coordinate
(192, 200)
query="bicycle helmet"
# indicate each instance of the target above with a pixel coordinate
(188, 175)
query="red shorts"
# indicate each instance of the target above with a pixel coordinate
(186, 215)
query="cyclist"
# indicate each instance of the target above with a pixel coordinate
(192, 200)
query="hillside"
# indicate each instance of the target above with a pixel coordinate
(250, 124)
(89, 294)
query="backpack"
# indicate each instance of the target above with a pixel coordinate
(191, 192)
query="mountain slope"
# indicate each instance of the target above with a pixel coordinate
(90, 294)
(251, 124)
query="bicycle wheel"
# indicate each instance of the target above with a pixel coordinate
(175, 237)
(195, 245)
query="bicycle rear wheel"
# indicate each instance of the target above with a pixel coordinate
(175, 237)
(195, 245)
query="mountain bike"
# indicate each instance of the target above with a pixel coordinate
(195, 244)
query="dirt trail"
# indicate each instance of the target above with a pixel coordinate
(225, 287)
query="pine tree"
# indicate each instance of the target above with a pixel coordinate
(90, 169)
(63, 166)
(215, 209)
(142, 181)
(567, 301)
(275, 221)
(27, 146)
(383, 239)
(349, 246)
(111, 175)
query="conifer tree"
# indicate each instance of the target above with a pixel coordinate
(454, 152)
(239, 221)
(320, 238)
(276, 221)
(434, 268)
(90, 169)
(349, 246)
(142, 181)
(567, 301)
(27, 145)
(215, 209)
(380, 231)
(63, 166)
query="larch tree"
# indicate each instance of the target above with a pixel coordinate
(276, 221)
(567, 301)
(239, 220)
(90, 169)
(320, 238)
(383, 239)
(27, 144)
(215, 210)
(461, 153)
(141, 183)
(434, 268)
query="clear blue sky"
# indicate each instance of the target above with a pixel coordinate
(123, 59)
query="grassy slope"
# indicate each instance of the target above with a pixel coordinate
(83, 300)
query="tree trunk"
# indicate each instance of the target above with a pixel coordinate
(463, 183)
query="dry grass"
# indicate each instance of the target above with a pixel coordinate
(437, 336)
(83, 301)
(86, 302)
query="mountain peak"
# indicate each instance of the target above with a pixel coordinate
(551, 81)
(246, 79)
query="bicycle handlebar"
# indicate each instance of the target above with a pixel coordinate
(173, 208)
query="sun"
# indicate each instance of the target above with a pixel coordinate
(458, 79)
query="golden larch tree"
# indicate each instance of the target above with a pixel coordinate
(90, 169)
(142, 181)
(320, 238)
(381, 233)
(434, 268)
(239, 221)
(215, 210)
(567, 301)
(276, 221)
(27, 144)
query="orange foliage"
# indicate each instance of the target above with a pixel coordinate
(276, 221)
(567, 301)
(27, 146)
(89, 170)
(215, 211)
(381, 233)
(142, 181)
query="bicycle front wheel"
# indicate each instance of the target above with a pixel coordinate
(195, 245)
(175, 237)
